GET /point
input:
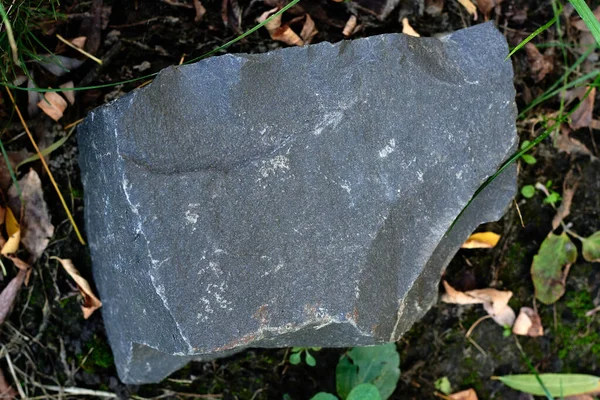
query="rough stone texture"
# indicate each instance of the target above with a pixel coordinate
(300, 197)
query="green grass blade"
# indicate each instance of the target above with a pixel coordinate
(588, 17)
(537, 32)
(45, 152)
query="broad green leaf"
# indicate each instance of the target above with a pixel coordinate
(47, 150)
(529, 159)
(295, 358)
(310, 360)
(364, 391)
(324, 396)
(558, 385)
(591, 247)
(443, 385)
(528, 191)
(524, 144)
(550, 267)
(297, 349)
(379, 365)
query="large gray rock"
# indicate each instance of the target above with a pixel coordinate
(301, 197)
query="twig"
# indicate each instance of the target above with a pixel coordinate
(77, 391)
(475, 324)
(519, 212)
(37, 149)
(14, 375)
(592, 312)
(85, 53)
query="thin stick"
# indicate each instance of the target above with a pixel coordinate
(37, 149)
(476, 323)
(78, 391)
(72, 124)
(519, 212)
(11, 36)
(14, 375)
(85, 53)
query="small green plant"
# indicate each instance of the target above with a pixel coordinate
(507, 331)
(552, 385)
(296, 356)
(528, 158)
(552, 197)
(528, 191)
(443, 385)
(366, 373)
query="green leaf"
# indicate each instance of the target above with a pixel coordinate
(297, 349)
(558, 385)
(379, 365)
(529, 159)
(364, 391)
(588, 17)
(295, 358)
(528, 191)
(537, 32)
(47, 150)
(555, 253)
(591, 247)
(310, 360)
(525, 144)
(443, 385)
(553, 198)
(324, 396)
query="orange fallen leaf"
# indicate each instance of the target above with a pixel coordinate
(36, 229)
(14, 234)
(528, 323)
(79, 41)
(486, 6)
(9, 294)
(90, 302)
(481, 240)
(350, 26)
(278, 32)
(495, 302)
(53, 105)
(407, 29)
(200, 11)
(468, 394)
(470, 7)
(69, 94)
(309, 30)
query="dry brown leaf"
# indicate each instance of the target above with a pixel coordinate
(541, 65)
(69, 94)
(14, 234)
(565, 143)
(569, 188)
(470, 7)
(37, 228)
(350, 26)
(79, 41)
(486, 6)
(468, 394)
(277, 32)
(595, 124)
(309, 30)
(495, 302)
(582, 116)
(9, 294)
(481, 240)
(6, 391)
(200, 11)
(53, 105)
(22, 265)
(528, 323)
(407, 29)
(581, 25)
(90, 302)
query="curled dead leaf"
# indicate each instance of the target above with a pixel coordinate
(481, 240)
(36, 226)
(278, 32)
(309, 30)
(407, 29)
(79, 42)
(528, 323)
(486, 6)
(569, 188)
(9, 294)
(349, 28)
(468, 394)
(69, 94)
(200, 11)
(90, 302)
(470, 7)
(53, 105)
(495, 302)
(14, 234)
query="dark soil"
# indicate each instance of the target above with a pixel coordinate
(50, 343)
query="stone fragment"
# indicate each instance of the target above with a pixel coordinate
(301, 197)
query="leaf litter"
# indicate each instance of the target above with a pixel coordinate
(90, 302)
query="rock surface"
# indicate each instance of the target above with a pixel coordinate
(296, 198)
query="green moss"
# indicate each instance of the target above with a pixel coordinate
(100, 356)
(581, 336)
(473, 380)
